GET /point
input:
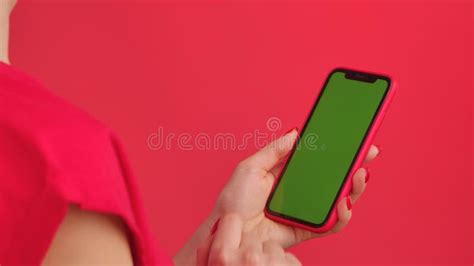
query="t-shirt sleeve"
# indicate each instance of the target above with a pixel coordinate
(53, 155)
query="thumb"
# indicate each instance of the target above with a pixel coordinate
(271, 154)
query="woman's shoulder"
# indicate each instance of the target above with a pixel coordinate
(44, 132)
(30, 104)
(53, 154)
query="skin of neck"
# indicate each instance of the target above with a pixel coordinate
(4, 34)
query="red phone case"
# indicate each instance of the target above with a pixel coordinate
(347, 186)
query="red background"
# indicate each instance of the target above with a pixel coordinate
(227, 67)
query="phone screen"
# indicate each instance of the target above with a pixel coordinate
(328, 146)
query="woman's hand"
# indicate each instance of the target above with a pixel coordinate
(228, 246)
(247, 191)
(251, 184)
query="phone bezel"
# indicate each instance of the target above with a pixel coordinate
(353, 74)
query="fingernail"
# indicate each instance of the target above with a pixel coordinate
(367, 175)
(349, 203)
(294, 128)
(214, 227)
(379, 148)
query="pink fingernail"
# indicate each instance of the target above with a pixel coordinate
(294, 128)
(349, 203)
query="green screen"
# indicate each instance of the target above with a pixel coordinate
(328, 145)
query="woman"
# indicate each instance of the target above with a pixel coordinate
(68, 196)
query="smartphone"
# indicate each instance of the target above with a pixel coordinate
(331, 146)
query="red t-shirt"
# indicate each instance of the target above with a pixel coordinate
(52, 155)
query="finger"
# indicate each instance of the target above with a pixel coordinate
(273, 249)
(303, 235)
(226, 240)
(274, 253)
(373, 152)
(271, 154)
(344, 214)
(275, 171)
(251, 243)
(202, 253)
(292, 259)
(358, 183)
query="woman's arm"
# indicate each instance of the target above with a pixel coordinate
(187, 254)
(89, 238)
(83, 238)
(6, 6)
